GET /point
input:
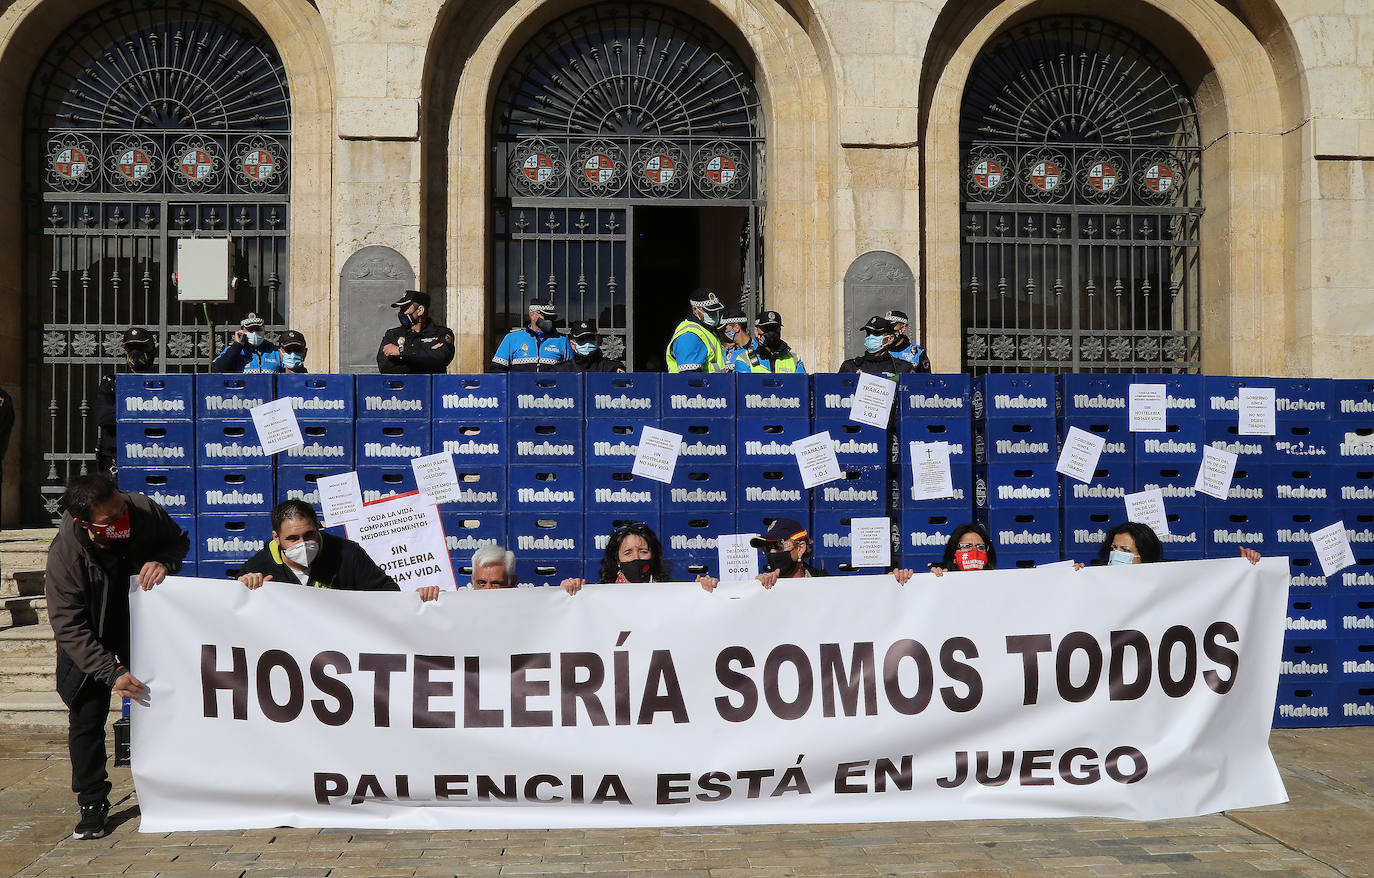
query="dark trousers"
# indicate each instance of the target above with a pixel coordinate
(86, 717)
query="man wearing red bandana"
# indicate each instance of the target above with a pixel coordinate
(105, 538)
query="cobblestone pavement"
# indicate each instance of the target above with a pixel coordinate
(1326, 830)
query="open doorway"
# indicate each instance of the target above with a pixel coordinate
(676, 250)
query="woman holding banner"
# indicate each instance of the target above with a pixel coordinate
(634, 554)
(1134, 543)
(969, 547)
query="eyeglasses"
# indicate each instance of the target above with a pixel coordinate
(638, 528)
(964, 546)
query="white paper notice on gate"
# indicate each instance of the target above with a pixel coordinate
(404, 535)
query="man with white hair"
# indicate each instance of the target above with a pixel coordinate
(535, 347)
(493, 567)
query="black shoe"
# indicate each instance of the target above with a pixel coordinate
(92, 823)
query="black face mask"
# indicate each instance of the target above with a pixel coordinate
(141, 360)
(771, 341)
(782, 561)
(544, 325)
(635, 571)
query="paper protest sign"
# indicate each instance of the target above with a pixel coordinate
(870, 542)
(1256, 407)
(1214, 475)
(1147, 508)
(816, 458)
(872, 401)
(341, 498)
(1078, 458)
(277, 426)
(656, 457)
(738, 559)
(405, 537)
(1333, 548)
(930, 471)
(1148, 408)
(436, 476)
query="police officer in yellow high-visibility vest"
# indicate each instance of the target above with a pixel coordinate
(694, 346)
(771, 353)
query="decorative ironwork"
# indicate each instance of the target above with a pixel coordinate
(613, 104)
(144, 123)
(1082, 200)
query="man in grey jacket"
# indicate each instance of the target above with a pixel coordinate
(105, 538)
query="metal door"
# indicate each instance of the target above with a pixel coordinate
(143, 125)
(1082, 202)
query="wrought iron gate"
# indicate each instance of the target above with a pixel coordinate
(144, 123)
(608, 107)
(1082, 195)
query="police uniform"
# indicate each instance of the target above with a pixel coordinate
(771, 354)
(903, 348)
(103, 407)
(877, 362)
(428, 350)
(524, 350)
(584, 331)
(240, 356)
(694, 346)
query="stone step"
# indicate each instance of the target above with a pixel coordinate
(20, 610)
(40, 709)
(27, 678)
(27, 642)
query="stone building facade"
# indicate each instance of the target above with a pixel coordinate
(848, 122)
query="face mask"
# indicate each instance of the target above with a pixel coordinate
(873, 343)
(140, 360)
(291, 361)
(404, 318)
(971, 559)
(303, 553)
(587, 348)
(1120, 558)
(710, 318)
(254, 338)
(119, 529)
(770, 340)
(781, 561)
(544, 325)
(635, 571)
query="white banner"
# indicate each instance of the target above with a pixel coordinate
(1141, 691)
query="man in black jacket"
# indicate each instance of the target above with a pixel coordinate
(875, 360)
(587, 356)
(418, 345)
(140, 352)
(104, 538)
(301, 552)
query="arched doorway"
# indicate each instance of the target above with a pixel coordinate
(143, 125)
(1081, 197)
(628, 169)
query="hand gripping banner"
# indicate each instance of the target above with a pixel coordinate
(1142, 692)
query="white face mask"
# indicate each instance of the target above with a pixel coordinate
(1117, 557)
(303, 553)
(254, 338)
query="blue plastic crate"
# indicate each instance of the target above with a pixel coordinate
(1225, 435)
(1354, 656)
(390, 442)
(1085, 527)
(1302, 704)
(1015, 395)
(1183, 395)
(855, 444)
(1304, 399)
(859, 487)
(1016, 558)
(221, 396)
(611, 443)
(1230, 528)
(539, 441)
(1353, 400)
(694, 564)
(1359, 528)
(480, 489)
(1181, 442)
(1174, 480)
(1014, 440)
(961, 478)
(323, 443)
(378, 482)
(1309, 442)
(693, 395)
(1352, 702)
(1251, 484)
(318, 397)
(171, 487)
(701, 486)
(618, 488)
(1011, 484)
(230, 537)
(1361, 576)
(831, 530)
(386, 397)
(219, 569)
(302, 482)
(1187, 536)
(545, 395)
(770, 484)
(1352, 612)
(156, 443)
(771, 396)
(1305, 571)
(148, 398)
(1118, 443)
(704, 440)
(468, 397)
(1024, 530)
(838, 564)
(832, 394)
(769, 441)
(229, 443)
(471, 442)
(235, 490)
(1309, 615)
(1221, 396)
(1353, 441)
(550, 573)
(466, 532)
(922, 532)
(957, 431)
(545, 534)
(597, 527)
(1308, 658)
(932, 395)
(623, 395)
(1093, 397)
(694, 533)
(1353, 483)
(1303, 485)
(545, 488)
(1110, 483)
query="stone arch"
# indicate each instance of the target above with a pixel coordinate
(29, 27)
(466, 59)
(1249, 96)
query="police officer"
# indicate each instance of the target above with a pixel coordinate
(587, 356)
(418, 345)
(291, 345)
(140, 354)
(904, 348)
(694, 346)
(250, 350)
(770, 352)
(735, 339)
(535, 347)
(875, 360)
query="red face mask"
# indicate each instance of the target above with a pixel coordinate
(119, 529)
(971, 559)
